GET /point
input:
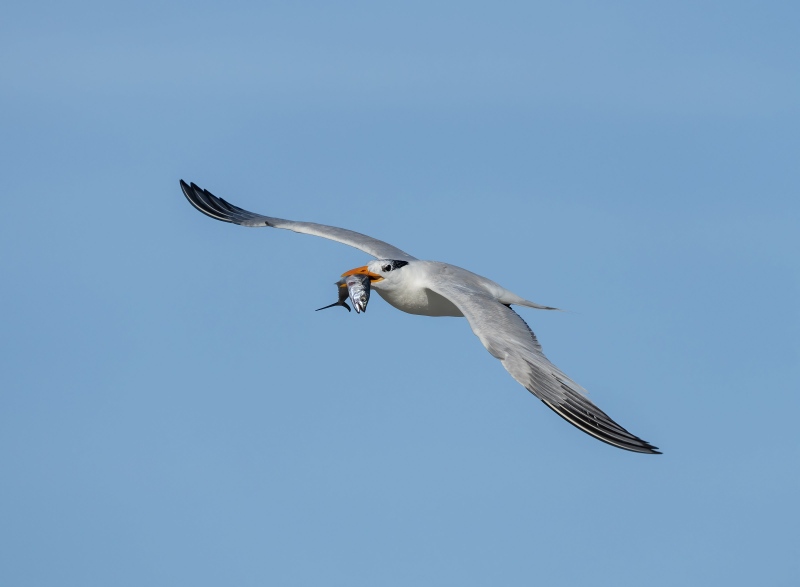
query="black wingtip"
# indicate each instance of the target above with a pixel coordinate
(605, 430)
(217, 208)
(186, 190)
(202, 200)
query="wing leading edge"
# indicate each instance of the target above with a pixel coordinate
(509, 338)
(217, 208)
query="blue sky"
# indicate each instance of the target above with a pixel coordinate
(172, 409)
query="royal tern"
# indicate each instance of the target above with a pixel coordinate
(431, 288)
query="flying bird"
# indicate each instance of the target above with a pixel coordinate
(431, 288)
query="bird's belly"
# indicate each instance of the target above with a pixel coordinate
(423, 302)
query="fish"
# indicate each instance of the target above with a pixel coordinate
(341, 286)
(357, 288)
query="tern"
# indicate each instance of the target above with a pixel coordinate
(431, 288)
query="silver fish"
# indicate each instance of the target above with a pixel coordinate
(341, 287)
(358, 288)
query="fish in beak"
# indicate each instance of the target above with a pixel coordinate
(356, 286)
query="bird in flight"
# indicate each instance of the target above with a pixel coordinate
(431, 288)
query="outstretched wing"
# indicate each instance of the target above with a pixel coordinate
(508, 338)
(215, 207)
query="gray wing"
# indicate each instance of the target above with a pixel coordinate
(215, 207)
(508, 338)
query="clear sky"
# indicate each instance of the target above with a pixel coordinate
(174, 412)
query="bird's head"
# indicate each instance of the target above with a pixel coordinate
(381, 272)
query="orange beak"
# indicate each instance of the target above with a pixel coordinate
(363, 271)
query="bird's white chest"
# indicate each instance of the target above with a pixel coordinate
(419, 300)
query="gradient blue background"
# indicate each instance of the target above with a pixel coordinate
(174, 412)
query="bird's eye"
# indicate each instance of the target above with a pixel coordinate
(387, 268)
